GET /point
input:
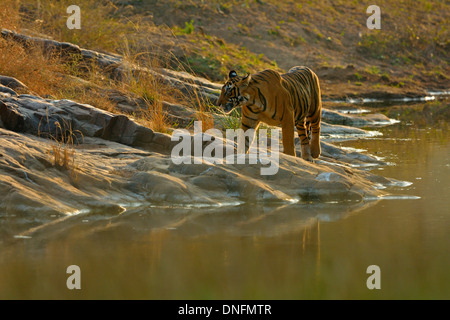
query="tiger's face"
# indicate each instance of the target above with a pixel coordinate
(231, 94)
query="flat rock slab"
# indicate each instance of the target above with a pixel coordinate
(358, 120)
(111, 175)
(64, 118)
(12, 83)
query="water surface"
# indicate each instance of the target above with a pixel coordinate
(248, 251)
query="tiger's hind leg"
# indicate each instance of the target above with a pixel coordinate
(315, 144)
(308, 129)
(315, 135)
(304, 140)
(314, 118)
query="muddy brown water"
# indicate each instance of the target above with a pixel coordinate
(247, 251)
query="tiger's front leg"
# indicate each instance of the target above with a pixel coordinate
(315, 133)
(248, 136)
(287, 129)
(304, 140)
(248, 122)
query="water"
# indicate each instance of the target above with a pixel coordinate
(430, 96)
(247, 251)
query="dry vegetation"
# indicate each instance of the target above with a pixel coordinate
(49, 75)
(410, 50)
(103, 30)
(62, 152)
(211, 37)
(40, 72)
(9, 17)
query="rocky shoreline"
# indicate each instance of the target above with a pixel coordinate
(117, 163)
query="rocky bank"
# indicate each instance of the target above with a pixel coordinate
(116, 163)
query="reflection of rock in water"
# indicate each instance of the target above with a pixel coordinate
(266, 220)
(241, 220)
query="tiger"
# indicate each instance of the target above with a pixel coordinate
(286, 100)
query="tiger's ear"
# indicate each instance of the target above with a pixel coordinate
(246, 80)
(232, 74)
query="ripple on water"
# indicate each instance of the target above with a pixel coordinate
(352, 136)
(350, 149)
(196, 205)
(393, 197)
(432, 95)
(18, 236)
(398, 183)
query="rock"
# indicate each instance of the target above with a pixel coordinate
(34, 188)
(11, 118)
(204, 182)
(12, 83)
(154, 178)
(108, 62)
(349, 157)
(178, 114)
(123, 130)
(8, 92)
(137, 135)
(109, 178)
(360, 120)
(188, 87)
(186, 77)
(333, 131)
(54, 117)
(162, 143)
(157, 187)
(64, 49)
(328, 176)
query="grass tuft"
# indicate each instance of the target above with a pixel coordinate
(62, 153)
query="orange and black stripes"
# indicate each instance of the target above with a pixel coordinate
(303, 86)
(291, 100)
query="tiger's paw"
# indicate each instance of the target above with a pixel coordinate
(306, 153)
(315, 152)
(315, 147)
(308, 158)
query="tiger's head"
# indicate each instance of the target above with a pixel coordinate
(231, 94)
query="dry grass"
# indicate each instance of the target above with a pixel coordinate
(100, 29)
(9, 17)
(40, 72)
(150, 88)
(103, 30)
(47, 75)
(87, 95)
(203, 111)
(62, 153)
(154, 117)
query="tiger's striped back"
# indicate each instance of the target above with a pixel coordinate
(303, 86)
